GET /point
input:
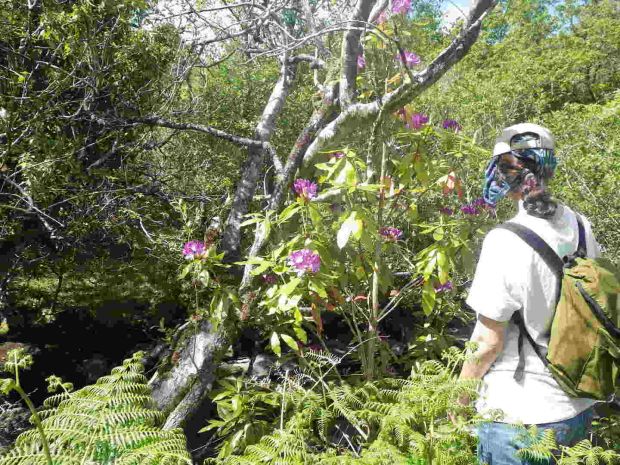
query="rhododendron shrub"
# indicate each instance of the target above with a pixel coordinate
(343, 250)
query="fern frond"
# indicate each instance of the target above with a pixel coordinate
(112, 421)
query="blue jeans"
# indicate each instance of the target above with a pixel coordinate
(499, 442)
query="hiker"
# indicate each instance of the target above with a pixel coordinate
(512, 277)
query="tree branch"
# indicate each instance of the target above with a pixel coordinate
(164, 123)
(231, 239)
(377, 10)
(356, 115)
(315, 63)
(40, 214)
(317, 121)
(350, 50)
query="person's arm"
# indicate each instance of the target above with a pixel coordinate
(489, 335)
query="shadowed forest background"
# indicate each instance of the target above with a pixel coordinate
(266, 216)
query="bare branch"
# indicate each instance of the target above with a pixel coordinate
(164, 123)
(43, 217)
(315, 63)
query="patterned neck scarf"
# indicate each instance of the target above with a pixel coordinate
(498, 184)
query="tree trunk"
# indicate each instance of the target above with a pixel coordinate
(182, 389)
(253, 166)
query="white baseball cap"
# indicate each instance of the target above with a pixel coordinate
(535, 136)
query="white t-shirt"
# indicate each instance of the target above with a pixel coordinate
(510, 275)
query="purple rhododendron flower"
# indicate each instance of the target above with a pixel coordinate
(418, 120)
(451, 124)
(410, 59)
(444, 287)
(469, 209)
(446, 211)
(390, 233)
(337, 155)
(305, 260)
(382, 18)
(361, 62)
(479, 202)
(400, 6)
(305, 189)
(193, 248)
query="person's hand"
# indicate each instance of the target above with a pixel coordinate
(463, 401)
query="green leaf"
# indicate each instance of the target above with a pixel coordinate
(443, 266)
(221, 395)
(430, 265)
(6, 385)
(186, 269)
(254, 220)
(315, 216)
(467, 259)
(428, 297)
(421, 172)
(442, 258)
(266, 227)
(301, 334)
(349, 226)
(347, 175)
(275, 344)
(288, 212)
(318, 288)
(290, 342)
(205, 278)
(261, 268)
(289, 287)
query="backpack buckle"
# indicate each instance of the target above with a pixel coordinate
(570, 260)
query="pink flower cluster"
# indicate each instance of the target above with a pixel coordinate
(409, 59)
(401, 6)
(305, 189)
(390, 233)
(469, 209)
(451, 124)
(417, 121)
(361, 62)
(305, 260)
(193, 249)
(476, 207)
(444, 287)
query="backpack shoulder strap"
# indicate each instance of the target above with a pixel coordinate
(582, 248)
(536, 242)
(556, 264)
(517, 319)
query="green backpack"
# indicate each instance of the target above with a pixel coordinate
(584, 343)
